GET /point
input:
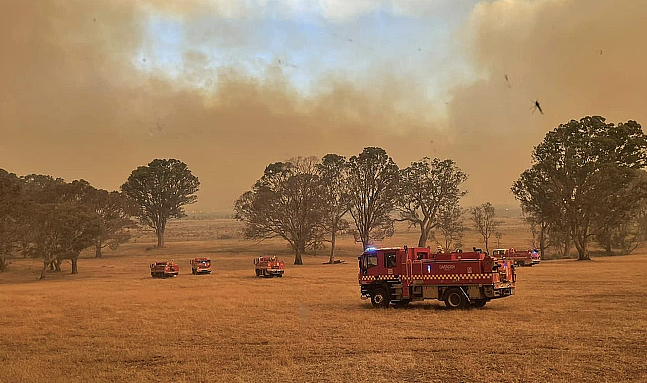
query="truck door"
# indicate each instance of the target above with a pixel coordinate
(390, 262)
(368, 261)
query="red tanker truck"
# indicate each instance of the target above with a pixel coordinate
(201, 266)
(164, 269)
(520, 258)
(402, 275)
(269, 266)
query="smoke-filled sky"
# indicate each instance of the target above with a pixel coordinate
(93, 89)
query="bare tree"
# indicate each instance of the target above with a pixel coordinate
(484, 222)
(426, 187)
(498, 235)
(451, 227)
(372, 180)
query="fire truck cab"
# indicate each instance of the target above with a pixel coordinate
(269, 266)
(201, 266)
(403, 275)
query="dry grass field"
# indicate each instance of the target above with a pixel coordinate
(568, 322)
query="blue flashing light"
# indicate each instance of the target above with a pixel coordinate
(370, 249)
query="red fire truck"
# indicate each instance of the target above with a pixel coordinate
(520, 258)
(269, 266)
(201, 266)
(164, 269)
(402, 275)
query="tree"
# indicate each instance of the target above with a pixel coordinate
(426, 187)
(618, 224)
(582, 167)
(450, 225)
(10, 203)
(115, 212)
(60, 224)
(160, 190)
(373, 184)
(286, 202)
(484, 222)
(333, 173)
(538, 204)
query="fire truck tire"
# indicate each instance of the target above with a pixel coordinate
(455, 299)
(379, 297)
(478, 303)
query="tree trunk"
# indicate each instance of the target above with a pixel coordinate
(3, 263)
(567, 245)
(297, 255)
(160, 237)
(424, 233)
(97, 251)
(333, 236)
(542, 240)
(43, 272)
(75, 269)
(57, 265)
(607, 247)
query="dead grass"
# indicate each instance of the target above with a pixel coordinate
(569, 321)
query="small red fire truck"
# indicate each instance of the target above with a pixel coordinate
(201, 266)
(164, 269)
(269, 266)
(402, 275)
(520, 258)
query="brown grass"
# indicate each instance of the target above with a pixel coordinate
(569, 321)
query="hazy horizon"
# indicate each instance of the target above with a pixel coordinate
(93, 90)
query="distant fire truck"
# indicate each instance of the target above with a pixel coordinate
(402, 275)
(201, 266)
(520, 258)
(269, 266)
(164, 269)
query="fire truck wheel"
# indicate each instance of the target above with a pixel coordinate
(478, 303)
(379, 298)
(455, 299)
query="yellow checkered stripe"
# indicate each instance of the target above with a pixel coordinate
(427, 277)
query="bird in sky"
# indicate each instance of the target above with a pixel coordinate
(537, 107)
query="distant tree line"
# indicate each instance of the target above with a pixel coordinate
(53, 220)
(587, 183)
(307, 201)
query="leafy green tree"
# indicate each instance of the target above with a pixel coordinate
(427, 187)
(582, 167)
(333, 173)
(286, 202)
(160, 190)
(373, 184)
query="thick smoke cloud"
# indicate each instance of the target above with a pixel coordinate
(78, 101)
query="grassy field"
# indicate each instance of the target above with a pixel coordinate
(569, 321)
